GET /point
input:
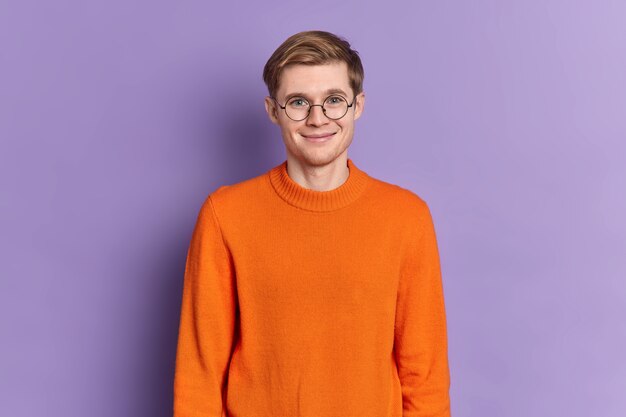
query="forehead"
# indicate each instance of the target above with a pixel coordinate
(314, 80)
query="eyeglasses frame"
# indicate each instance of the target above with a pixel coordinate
(312, 105)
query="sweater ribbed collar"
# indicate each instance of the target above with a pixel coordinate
(313, 200)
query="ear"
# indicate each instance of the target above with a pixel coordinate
(271, 109)
(359, 105)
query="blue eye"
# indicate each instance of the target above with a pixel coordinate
(298, 102)
(335, 101)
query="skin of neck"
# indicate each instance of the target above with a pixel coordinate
(319, 178)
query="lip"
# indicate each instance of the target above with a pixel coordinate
(319, 138)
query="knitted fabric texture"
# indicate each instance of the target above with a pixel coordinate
(305, 303)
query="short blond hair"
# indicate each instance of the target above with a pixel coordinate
(313, 47)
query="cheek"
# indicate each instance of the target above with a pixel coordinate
(284, 126)
(344, 127)
(292, 127)
(288, 130)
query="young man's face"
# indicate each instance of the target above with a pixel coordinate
(314, 83)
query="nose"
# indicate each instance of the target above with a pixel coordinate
(316, 116)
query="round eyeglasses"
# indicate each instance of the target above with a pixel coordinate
(298, 108)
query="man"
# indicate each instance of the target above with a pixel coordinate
(313, 290)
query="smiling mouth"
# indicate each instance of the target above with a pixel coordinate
(319, 138)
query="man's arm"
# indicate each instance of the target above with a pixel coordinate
(207, 322)
(420, 343)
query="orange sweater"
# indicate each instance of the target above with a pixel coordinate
(304, 303)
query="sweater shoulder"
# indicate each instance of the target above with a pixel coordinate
(236, 196)
(405, 200)
(409, 209)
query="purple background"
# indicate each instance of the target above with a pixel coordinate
(117, 118)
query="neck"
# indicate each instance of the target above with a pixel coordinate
(319, 177)
(316, 200)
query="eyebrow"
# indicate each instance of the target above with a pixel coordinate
(329, 91)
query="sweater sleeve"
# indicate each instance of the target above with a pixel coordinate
(420, 340)
(207, 322)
